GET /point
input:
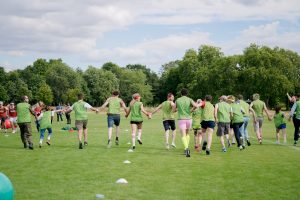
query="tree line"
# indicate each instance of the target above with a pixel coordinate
(271, 72)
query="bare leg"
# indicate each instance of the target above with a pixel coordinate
(209, 137)
(284, 135)
(133, 133)
(109, 133)
(173, 138)
(85, 132)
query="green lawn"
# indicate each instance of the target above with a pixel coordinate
(62, 171)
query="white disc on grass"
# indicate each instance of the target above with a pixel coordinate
(122, 181)
(130, 150)
(126, 162)
(100, 196)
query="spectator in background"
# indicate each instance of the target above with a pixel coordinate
(59, 114)
(3, 115)
(12, 113)
(68, 115)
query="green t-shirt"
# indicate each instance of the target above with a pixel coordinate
(196, 115)
(23, 110)
(136, 112)
(223, 113)
(114, 105)
(80, 110)
(297, 111)
(183, 105)
(45, 122)
(246, 107)
(237, 113)
(208, 112)
(258, 107)
(167, 111)
(279, 119)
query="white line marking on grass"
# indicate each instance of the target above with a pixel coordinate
(292, 147)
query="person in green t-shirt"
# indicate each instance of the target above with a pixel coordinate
(167, 108)
(280, 124)
(237, 120)
(184, 105)
(222, 116)
(295, 114)
(259, 107)
(24, 121)
(45, 119)
(247, 110)
(196, 117)
(81, 118)
(114, 104)
(208, 123)
(135, 110)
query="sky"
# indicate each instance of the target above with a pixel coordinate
(148, 32)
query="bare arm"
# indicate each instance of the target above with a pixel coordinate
(157, 109)
(145, 112)
(253, 113)
(216, 112)
(289, 97)
(267, 112)
(105, 104)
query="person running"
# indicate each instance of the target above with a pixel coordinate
(81, 118)
(136, 109)
(183, 105)
(3, 115)
(259, 106)
(167, 108)
(38, 111)
(12, 113)
(46, 119)
(280, 124)
(24, 122)
(222, 116)
(113, 115)
(196, 117)
(208, 123)
(296, 111)
(237, 120)
(247, 109)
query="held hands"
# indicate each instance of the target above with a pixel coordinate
(149, 115)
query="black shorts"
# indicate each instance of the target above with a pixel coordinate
(169, 124)
(208, 124)
(139, 124)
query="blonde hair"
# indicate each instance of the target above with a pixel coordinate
(256, 96)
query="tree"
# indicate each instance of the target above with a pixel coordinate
(45, 94)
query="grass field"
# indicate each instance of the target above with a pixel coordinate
(62, 171)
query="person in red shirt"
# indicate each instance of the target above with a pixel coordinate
(38, 110)
(3, 115)
(12, 113)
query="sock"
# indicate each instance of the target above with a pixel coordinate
(117, 138)
(49, 137)
(41, 141)
(187, 140)
(184, 141)
(108, 141)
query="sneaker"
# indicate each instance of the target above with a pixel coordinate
(188, 153)
(173, 145)
(40, 145)
(228, 143)
(295, 143)
(260, 141)
(48, 142)
(139, 141)
(25, 145)
(167, 146)
(117, 142)
(241, 147)
(133, 147)
(207, 152)
(85, 143)
(30, 146)
(241, 141)
(224, 149)
(14, 131)
(204, 145)
(108, 144)
(248, 143)
(80, 145)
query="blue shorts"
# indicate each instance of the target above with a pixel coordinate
(208, 124)
(281, 126)
(169, 124)
(113, 119)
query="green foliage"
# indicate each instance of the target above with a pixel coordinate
(72, 95)
(45, 94)
(3, 94)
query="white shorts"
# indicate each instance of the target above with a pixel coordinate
(13, 120)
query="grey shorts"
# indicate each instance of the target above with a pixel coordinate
(81, 124)
(258, 124)
(223, 129)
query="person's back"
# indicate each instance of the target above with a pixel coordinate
(23, 112)
(279, 119)
(223, 112)
(196, 116)
(80, 110)
(258, 107)
(297, 111)
(208, 112)
(167, 111)
(245, 107)
(114, 105)
(46, 120)
(136, 114)
(237, 113)
(183, 105)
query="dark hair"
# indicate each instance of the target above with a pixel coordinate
(80, 96)
(170, 94)
(115, 93)
(208, 98)
(240, 97)
(277, 108)
(298, 95)
(184, 92)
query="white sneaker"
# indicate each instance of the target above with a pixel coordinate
(167, 146)
(173, 145)
(14, 131)
(277, 142)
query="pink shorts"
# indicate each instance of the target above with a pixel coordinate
(185, 123)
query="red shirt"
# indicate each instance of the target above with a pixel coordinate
(12, 112)
(3, 113)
